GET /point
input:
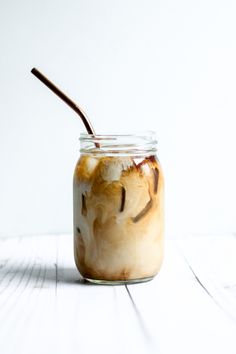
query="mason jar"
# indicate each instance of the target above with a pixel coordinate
(118, 208)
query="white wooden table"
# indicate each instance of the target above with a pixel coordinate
(45, 307)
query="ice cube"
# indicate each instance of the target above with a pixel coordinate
(112, 168)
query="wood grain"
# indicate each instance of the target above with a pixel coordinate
(46, 307)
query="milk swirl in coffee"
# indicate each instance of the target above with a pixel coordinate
(118, 217)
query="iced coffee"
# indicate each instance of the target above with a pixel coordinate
(118, 216)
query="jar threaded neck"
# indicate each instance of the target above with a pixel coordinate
(119, 144)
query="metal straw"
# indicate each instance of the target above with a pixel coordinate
(66, 99)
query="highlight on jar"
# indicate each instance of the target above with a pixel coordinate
(118, 209)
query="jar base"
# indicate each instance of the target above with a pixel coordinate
(119, 282)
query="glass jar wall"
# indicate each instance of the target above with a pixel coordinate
(118, 208)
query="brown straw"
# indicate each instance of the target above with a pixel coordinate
(66, 99)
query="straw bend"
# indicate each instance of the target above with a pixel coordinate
(65, 98)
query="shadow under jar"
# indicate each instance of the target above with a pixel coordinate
(118, 209)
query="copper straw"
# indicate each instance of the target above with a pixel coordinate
(66, 99)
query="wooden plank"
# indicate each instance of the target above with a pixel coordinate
(101, 318)
(213, 262)
(28, 293)
(47, 308)
(178, 312)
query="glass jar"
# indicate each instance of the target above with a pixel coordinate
(118, 208)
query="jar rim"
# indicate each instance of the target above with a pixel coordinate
(113, 144)
(135, 133)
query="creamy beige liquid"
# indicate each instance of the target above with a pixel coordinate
(118, 217)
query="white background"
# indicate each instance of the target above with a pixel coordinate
(169, 66)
